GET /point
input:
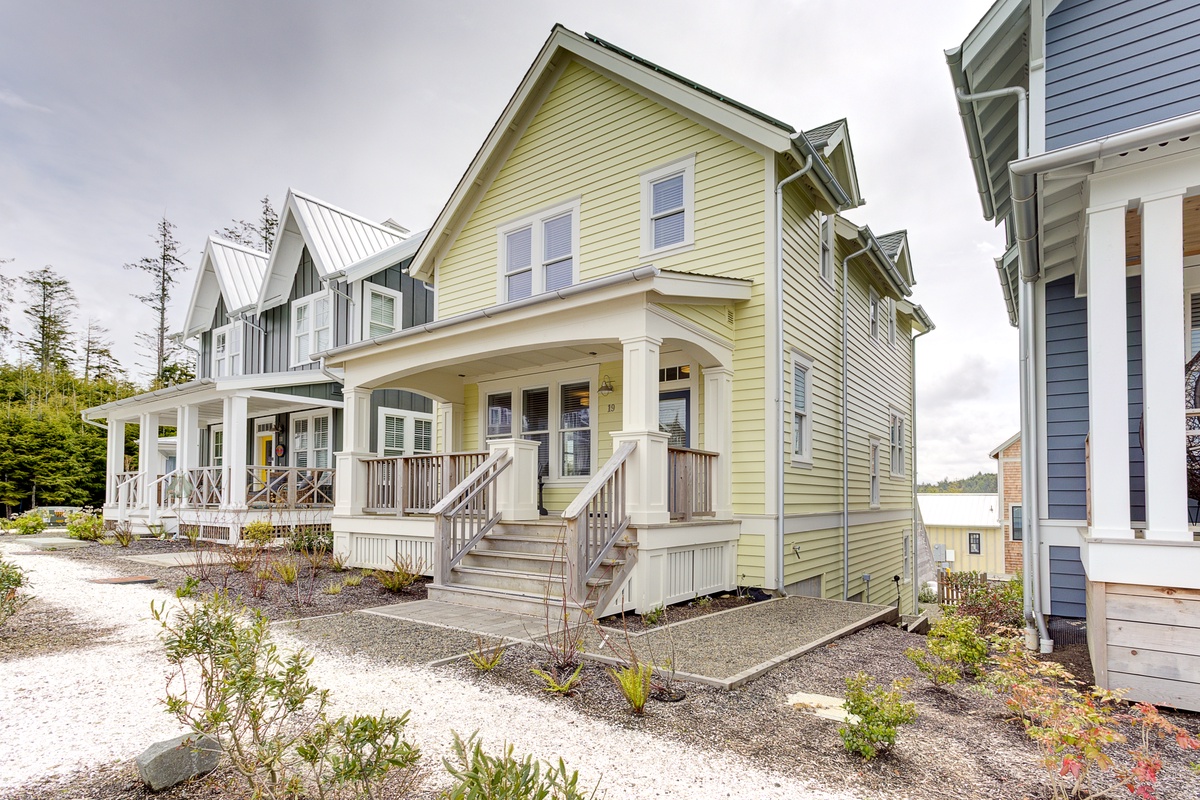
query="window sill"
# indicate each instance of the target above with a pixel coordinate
(802, 464)
(664, 252)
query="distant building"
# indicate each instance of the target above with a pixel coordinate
(1012, 522)
(964, 532)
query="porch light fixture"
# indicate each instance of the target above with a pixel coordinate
(606, 387)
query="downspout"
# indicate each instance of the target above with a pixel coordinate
(846, 418)
(916, 573)
(779, 407)
(1035, 620)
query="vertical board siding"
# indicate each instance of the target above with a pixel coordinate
(1067, 583)
(1137, 461)
(990, 560)
(592, 138)
(1112, 66)
(416, 307)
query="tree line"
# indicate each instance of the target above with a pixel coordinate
(49, 455)
(979, 483)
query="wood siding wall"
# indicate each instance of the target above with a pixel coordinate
(989, 560)
(1150, 636)
(1112, 66)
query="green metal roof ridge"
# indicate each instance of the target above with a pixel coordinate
(675, 76)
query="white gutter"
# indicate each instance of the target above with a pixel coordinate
(93, 423)
(871, 244)
(779, 409)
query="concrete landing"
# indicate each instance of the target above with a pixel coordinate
(186, 558)
(479, 621)
(53, 543)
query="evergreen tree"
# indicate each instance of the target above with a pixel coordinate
(6, 298)
(99, 363)
(259, 234)
(164, 268)
(51, 301)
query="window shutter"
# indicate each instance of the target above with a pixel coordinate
(422, 436)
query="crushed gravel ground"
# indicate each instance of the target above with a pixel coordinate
(385, 639)
(41, 628)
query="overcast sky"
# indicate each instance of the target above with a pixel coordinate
(113, 114)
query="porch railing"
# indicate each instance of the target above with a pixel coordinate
(127, 493)
(402, 485)
(468, 512)
(690, 483)
(288, 487)
(595, 520)
(207, 485)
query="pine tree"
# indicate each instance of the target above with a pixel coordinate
(6, 298)
(259, 234)
(99, 363)
(51, 301)
(164, 268)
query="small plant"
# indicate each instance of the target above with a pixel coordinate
(259, 532)
(286, 570)
(560, 681)
(403, 574)
(30, 523)
(85, 525)
(956, 648)
(12, 580)
(996, 606)
(487, 655)
(654, 616)
(927, 595)
(190, 585)
(479, 776)
(877, 713)
(333, 588)
(364, 754)
(308, 539)
(704, 602)
(634, 683)
(191, 533)
(157, 530)
(242, 557)
(123, 533)
(338, 562)
(108, 541)
(353, 579)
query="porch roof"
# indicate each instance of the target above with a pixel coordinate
(206, 394)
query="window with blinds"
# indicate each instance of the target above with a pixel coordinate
(422, 436)
(897, 443)
(404, 433)
(538, 254)
(383, 318)
(575, 430)
(873, 312)
(667, 212)
(217, 456)
(874, 465)
(518, 263)
(535, 424)
(1193, 324)
(311, 442)
(312, 327)
(802, 376)
(667, 206)
(300, 441)
(826, 236)
(499, 415)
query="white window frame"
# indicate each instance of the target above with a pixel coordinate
(293, 334)
(537, 241)
(685, 166)
(825, 241)
(410, 431)
(234, 360)
(873, 448)
(310, 449)
(1012, 526)
(802, 457)
(397, 299)
(216, 451)
(892, 324)
(873, 314)
(897, 450)
(553, 382)
(906, 574)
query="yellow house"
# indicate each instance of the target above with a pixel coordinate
(664, 363)
(964, 531)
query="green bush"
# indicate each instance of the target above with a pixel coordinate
(479, 776)
(86, 526)
(926, 596)
(258, 532)
(634, 683)
(12, 580)
(27, 524)
(995, 605)
(879, 713)
(310, 540)
(363, 753)
(403, 574)
(957, 650)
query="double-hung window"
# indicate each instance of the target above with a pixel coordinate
(891, 312)
(668, 207)
(539, 253)
(217, 450)
(404, 433)
(382, 310)
(897, 442)
(227, 350)
(802, 375)
(873, 312)
(556, 416)
(826, 235)
(312, 326)
(310, 440)
(873, 463)
(575, 430)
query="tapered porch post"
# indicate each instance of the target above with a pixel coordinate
(1162, 341)
(114, 463)
(147, 458)
(1108, 366)
(236, 411)
(646, 501)
(718, 435)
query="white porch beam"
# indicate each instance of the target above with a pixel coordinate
(236, 414)
(1108, 383)
(718, 435)
(1162, 341)
(147, 457)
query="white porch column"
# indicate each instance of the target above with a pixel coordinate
(187, 443)
(451, 415)
(516, 487)
(114, 462)
(350, 481)
(1108, 383)
(1162, 389)
(147, 458)
(235, 413)
(718, 435)
(646, 487)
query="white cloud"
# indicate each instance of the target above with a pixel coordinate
(13, 100)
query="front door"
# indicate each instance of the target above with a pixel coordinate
(264, 448)
(674, 413)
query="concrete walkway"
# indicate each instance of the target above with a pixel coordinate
(54, 543)
(479, 621)
(185, 558)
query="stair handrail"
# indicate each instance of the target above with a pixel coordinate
(122, 491)
(152, 495)
(595, 520)
(467, 513)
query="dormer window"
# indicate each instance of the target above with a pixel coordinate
(382, 307)
(668, 207)
(312, 327)
(539, 253)
(227, 350)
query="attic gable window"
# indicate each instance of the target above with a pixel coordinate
(312, 326)
(539, 253)
(668, 207)
(227, 350)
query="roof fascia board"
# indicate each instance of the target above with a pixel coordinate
(272, 380)
(1007, 443)
(285, 259)
(287, 400)
(157, 398)
(193, 326)
(994, 23)
(382, 260)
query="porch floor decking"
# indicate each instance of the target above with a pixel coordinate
(725, 649)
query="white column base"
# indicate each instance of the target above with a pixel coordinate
(349, 483)
(516, 488)
(646, 477)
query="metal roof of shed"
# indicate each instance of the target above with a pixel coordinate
(960, 510)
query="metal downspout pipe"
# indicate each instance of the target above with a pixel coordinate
(846, 418)
(916, 573)
(1035, 621)
(779, 406)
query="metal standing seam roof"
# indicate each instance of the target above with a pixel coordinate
(336, 237)
(240, 271)
(952, 510)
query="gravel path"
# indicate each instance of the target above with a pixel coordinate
(63, 712)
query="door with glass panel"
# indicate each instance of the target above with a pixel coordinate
(674, 412)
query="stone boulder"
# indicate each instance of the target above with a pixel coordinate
(174, 761)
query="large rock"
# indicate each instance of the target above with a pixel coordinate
(174, 761)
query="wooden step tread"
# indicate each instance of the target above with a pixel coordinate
(518, 575)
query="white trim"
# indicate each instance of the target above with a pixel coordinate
(892, 324)
(803, 457)
(409, 445)
(874, 445)
(213, 432)
(365, 314)
(685, 166)
(873, 309)
(310, 450)
(1012, 528)
(826, 242)
(310, 301)
(233, 362)
(979, 538)
(896, 415)
(535, 222)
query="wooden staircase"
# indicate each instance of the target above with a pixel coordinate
(520, 567)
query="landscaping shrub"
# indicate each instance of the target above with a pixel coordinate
(634, 682)
(956, 648)
(995, 605)
(305, 539)
(364, 755)
(479, 776)
(86, 525)
(12, 580)
(123, 533)
(260, 532)
(403, 574)
(879, 713)
(927, 595)
(27, 524)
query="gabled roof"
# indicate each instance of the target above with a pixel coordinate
(229, 270)
(895, 245)
(385, 258)
(336, 239)
(833, 142)
(1007, 443)
(955, 510)
(734, 119)
(880, 256)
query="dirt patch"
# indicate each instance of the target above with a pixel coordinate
(41, 628)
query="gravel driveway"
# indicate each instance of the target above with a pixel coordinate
(68, 711)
